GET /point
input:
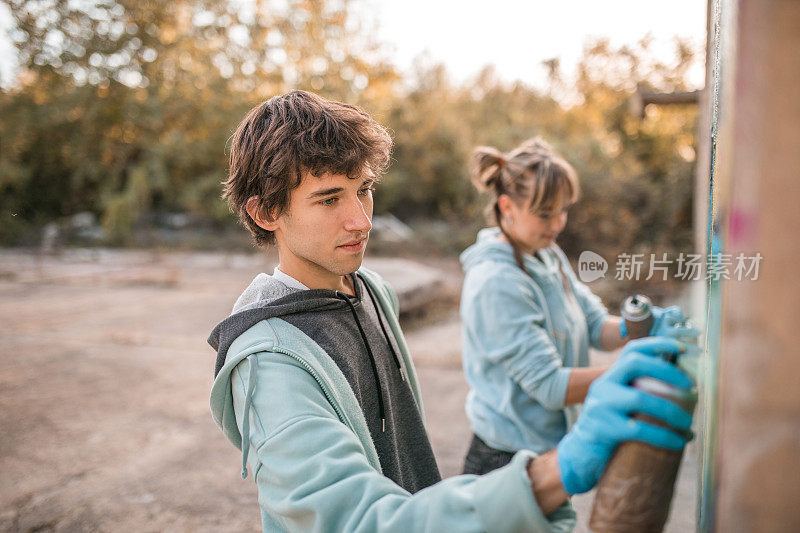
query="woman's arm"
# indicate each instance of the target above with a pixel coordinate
(579, 381)
(504, 325)
(581, 378)
(610, 336)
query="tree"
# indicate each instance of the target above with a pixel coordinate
(125, 107)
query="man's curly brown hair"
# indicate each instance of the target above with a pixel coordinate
(290, 135)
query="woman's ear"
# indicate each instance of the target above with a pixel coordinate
(506, 206)
(259, 215)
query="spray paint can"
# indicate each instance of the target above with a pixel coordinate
(637, 311)
(635, 491)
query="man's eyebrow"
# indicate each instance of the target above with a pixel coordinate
(325, 192)
(336, 190)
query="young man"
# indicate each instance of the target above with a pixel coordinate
(314, 382)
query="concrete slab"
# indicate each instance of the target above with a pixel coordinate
(104, 382)
(415, 283)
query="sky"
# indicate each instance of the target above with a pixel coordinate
(517, 35)
(7, 63)
(514, 35)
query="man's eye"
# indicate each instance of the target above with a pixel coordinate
(366, 190)
(329, 201)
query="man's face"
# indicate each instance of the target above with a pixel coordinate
(324, 230)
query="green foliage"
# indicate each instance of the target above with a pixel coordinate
(427, 178)
(636, 174)
(123, 209)
(132, 109)
(125, 108)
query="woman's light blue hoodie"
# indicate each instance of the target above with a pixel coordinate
(521, 334)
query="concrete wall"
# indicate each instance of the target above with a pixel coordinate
(759, 170)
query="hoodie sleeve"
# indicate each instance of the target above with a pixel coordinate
(503, 322)
(313, 475)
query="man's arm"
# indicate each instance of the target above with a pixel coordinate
(312, 471)
(546, 482)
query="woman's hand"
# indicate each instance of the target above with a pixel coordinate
(671, 322)
(606, 419)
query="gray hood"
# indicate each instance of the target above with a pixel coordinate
(262, 290)
(264, 298)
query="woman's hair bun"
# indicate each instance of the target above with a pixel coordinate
(487, 167)
(534, 145)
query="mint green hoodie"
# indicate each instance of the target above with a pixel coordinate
(284, 402)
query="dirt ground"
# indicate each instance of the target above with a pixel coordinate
(104, 382)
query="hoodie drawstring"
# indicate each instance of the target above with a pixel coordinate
(251, 387)
(381, 411)
(383, 328)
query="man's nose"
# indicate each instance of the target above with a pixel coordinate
(358, 220)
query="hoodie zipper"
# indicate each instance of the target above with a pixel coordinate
(322, 383)
(326, 391)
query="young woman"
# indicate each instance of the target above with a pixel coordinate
(527, 320)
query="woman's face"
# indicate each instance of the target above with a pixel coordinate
(533, 231)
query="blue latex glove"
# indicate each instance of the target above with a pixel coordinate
(664, 320)
(605, 420)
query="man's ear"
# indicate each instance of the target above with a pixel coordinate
(259, 215)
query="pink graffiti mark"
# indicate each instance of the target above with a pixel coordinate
(742, 225)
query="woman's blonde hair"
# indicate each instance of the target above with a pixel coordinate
(532, 174)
